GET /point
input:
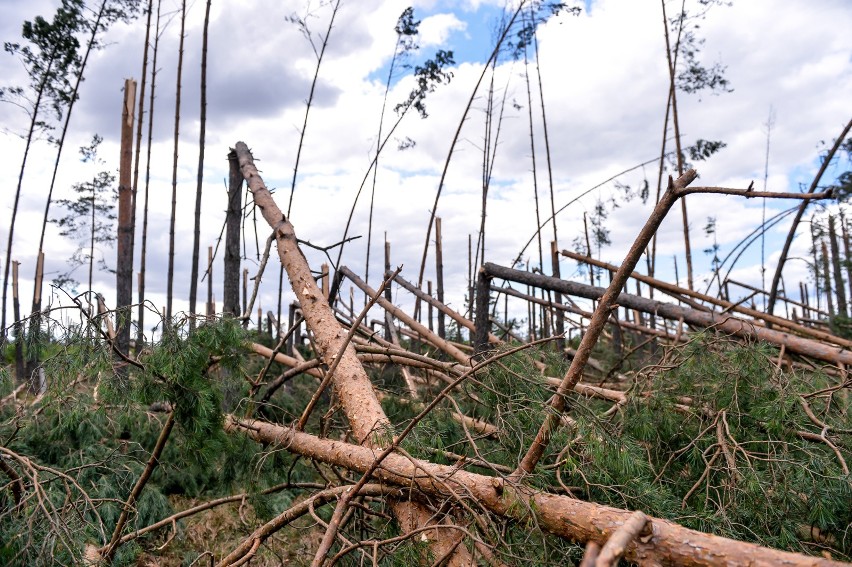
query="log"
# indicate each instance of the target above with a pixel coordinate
(721, 322)
(354, 390)
(726, 305)
(668, 543)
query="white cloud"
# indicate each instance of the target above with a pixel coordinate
(435, 29)
(605, 87)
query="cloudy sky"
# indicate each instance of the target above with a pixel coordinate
(604, 81)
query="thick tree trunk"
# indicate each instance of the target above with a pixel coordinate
(124, 260)
(370, 426)
(570, 518)
(231, 288)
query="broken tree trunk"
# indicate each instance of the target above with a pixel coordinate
(420, 329)
(441, 307)
(722, 322)
(124, 246)
(667, 544)
(370, 426)
(675, 291)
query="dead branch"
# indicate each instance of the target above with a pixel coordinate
(425, 333)
(618, 542)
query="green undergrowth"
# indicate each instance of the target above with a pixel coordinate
(714, 436)
(85, 443)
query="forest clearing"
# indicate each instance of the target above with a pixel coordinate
(457, 410)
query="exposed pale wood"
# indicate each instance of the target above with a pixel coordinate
(420, 329)
(668, 543)
(352, 386)
(124, 242)
(726, 305)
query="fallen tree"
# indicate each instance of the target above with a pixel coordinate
(667, 543)
(350, 381)
(719, 321)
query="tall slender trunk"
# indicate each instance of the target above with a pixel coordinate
(839, 286)
(826, 278)
(532, 148)
(61, 143)
(171, 272)
(144, 248)
(30, 134)
(193, 281)
(233, 216)
(846, 256)
(140, 113)
(92, 245)
(673, 91)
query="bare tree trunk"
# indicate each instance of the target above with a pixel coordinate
(839, 286)
(124, 259)
(439, 270)
(826, 278)
(34, 122)
(686, 245)
(388, 296)
(90, 45)
(193, 281)
(846, 255)
(20, 370)
(557, 298)
(143, 252)
(170, 278)
(231, 288)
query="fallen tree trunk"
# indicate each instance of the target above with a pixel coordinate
(427, 335)
(721, 322)
(676, 291)
(668, 543)
(354, 390)
(452, 314)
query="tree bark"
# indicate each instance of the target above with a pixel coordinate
(839, 286)
(369, 424)
(570, 518)
(124, 260)
(231, 288)
(196, 235)
(170, 278)
(678, 293)
(722, 322)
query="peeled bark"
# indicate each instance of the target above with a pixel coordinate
(668, 543)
